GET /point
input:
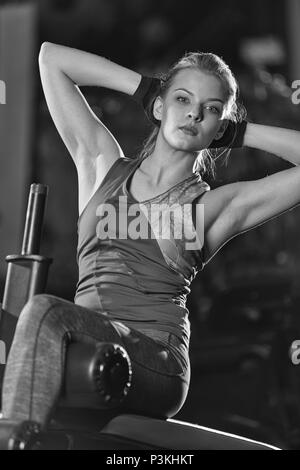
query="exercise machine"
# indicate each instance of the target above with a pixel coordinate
(97, 377)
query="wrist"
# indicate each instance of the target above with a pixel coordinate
(250, 138)
(141, 87)
(145, 94)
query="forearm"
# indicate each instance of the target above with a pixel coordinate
(284, 143)
(86, 69)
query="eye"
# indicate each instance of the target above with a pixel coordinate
(213, 109)
(182, 99)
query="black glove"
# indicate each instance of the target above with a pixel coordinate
(233, 136)
(145, 94)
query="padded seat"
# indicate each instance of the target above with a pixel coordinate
(173, 434)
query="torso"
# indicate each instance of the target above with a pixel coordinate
(217, 226)
(141, 189)
(91, 176)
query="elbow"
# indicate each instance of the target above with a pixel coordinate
(46, 52)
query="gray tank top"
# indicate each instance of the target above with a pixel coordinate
(142, 281)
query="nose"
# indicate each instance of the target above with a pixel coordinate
(196, 114)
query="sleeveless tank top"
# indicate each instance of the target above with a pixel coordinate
(133, 267)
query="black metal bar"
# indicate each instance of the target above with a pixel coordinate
(34, 219)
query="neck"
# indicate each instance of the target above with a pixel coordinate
(168, 165)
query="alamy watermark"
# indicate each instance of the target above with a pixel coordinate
(151, 221)
(2, 92)
(2, 352)
(295, 352)
(296, 94)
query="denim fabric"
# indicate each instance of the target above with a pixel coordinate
(35, 367)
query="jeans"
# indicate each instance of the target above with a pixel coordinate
(34, 372)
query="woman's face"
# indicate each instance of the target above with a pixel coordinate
(196, 100)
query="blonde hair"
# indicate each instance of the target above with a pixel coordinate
(212, 64)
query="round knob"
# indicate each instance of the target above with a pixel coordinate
(112, 373)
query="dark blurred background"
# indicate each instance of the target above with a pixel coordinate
(244, 305)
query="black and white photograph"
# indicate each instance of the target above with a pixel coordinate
(149, 227)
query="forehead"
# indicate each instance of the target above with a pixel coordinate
(199, 83)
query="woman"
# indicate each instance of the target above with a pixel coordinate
(132, 289)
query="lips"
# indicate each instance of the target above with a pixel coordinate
(189, 130)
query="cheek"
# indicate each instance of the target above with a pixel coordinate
(209, 131)
(213, 124)
(170, 114)
(171, 121)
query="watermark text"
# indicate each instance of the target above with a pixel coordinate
(2, 352)
(295, 352)
(296, 94)
(154, 221)
(2, 92)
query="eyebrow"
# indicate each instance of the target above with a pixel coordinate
(190, 93)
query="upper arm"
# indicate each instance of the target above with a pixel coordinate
(91, 145)
(84, 135)
(261, 200)
(236, 208)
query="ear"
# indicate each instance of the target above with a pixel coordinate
(222, 129)
(158, 108)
